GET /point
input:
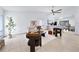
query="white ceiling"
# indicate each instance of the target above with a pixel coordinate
(27, 8)
(47, 9)
(32, 8)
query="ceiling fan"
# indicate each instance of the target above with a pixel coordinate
(55, 11)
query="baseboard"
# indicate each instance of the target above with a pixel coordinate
(19, 33)
(15, 34)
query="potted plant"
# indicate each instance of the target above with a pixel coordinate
(10, 26)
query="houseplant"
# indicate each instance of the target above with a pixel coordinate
(10, 26)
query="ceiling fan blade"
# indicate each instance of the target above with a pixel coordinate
(52, 10)
(59, 10)
(53, 14)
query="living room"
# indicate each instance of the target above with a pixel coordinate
(44, 16)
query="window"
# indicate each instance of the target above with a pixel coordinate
(1, 26)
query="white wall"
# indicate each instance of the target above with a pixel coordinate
(1, 11)
(77, 20)
(22, 19)
(1, 22)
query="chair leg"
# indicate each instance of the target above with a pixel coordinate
(40, 42)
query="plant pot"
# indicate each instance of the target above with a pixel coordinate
(10, 35)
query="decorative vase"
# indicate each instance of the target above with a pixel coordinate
(10, 35)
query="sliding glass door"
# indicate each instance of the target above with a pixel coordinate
(1, 26)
